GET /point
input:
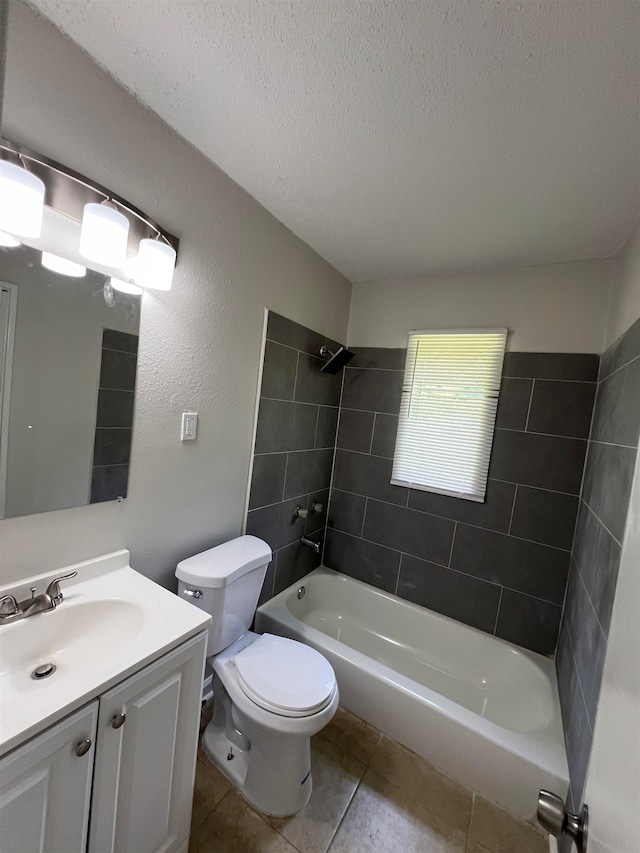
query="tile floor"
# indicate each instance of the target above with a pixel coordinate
(369, 794)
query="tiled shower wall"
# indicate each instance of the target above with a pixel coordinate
(596, 553)
(293, 454)
(500, 566)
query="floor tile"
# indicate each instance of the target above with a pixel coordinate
(419, 779)
(210, 787)
(497, 831)
(384, 818)
(335, 779)
(234, 827)
(352, 735)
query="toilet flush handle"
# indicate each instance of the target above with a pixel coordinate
(193, 593)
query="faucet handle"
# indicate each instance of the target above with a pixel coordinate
(54, 591)
(8, 605)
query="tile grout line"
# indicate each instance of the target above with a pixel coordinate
(533, 388)
(373, 430)
(495, 627)
(513, 509)
(453, 541)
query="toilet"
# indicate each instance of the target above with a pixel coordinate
(271, 694)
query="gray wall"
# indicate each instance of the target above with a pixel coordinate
(500, 566)
(294, 446)
(599, 536)
(199, 344)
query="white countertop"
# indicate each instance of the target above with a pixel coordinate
(112, 622)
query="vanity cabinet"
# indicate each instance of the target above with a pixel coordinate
(143, 735)
(45, 790)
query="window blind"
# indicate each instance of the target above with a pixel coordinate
(448, 411)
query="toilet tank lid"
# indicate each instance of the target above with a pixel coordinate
(225, 563)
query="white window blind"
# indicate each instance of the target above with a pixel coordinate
(448, 411)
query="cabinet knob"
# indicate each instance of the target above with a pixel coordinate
(83, 748)
(118, 720)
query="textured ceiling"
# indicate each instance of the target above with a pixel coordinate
(399, 138)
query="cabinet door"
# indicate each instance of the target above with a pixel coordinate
(143, 784)
(45, 788)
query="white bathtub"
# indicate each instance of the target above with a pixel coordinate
(478, 708)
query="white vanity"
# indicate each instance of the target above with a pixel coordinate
(100, 755)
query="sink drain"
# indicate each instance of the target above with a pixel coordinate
(43, 671)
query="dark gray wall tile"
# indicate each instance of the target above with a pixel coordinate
(453, 594)
(118, 370)
(284, 331)
(327, 427)
(527, 567)
(277, 524)
(367, 475)
(416, 533)
(108, 483)
(308, 471)
(601, 576)
(546, 461)
(312, 386)
(608, 408)
(372, 390)
(547, 517)
(346, 512)
(267, 479)
(122, 341)
(292, 564)
(607, 484)
(562, 408)
(317, 521)
(279, 371)
(112, 446)
(493, 514)
(528, 622)
(566, 672)
(115, 408)
(267, 587)
(384, 435)
(362, 560)
(628, 431)
(586, 537)
(355, 430)
(622, 351)
(513, 406)
(580, 367)
(578, 738)
(589, 646)
(285, 426)
(382, 358)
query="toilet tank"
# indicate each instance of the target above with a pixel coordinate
(229, 578)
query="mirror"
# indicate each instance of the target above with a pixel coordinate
(68, 359)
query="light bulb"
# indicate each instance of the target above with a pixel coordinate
(155, 264)
(21, 201)
(103, 237)
(126, 287)
(8, 242)
(61, 265)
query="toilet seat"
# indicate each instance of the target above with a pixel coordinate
(285, 677)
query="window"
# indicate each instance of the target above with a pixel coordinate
(448, 411)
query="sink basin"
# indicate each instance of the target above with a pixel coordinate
(71, 637)
(111, 623)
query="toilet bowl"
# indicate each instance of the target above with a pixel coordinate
(271, 694)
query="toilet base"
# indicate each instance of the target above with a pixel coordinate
(218, 748)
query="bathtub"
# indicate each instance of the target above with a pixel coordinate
(480, 709)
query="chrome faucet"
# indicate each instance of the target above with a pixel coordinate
(309, 543)
(12, 610)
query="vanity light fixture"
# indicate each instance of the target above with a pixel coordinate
(21, 200)
(127, 287)
(62, 265)
(104, 232)
(155, 264)
(8, 242)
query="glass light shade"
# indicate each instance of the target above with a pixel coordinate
(61, 265)
(7, 241)
(21, 201)
(155, 264)
(103, 237)
(126, 287)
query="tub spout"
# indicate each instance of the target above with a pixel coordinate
(309, 543)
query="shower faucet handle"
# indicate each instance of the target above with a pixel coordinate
(301, 511)
(316, 507)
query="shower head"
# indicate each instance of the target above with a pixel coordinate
(336, 361)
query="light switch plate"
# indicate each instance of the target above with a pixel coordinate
(189, 426)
